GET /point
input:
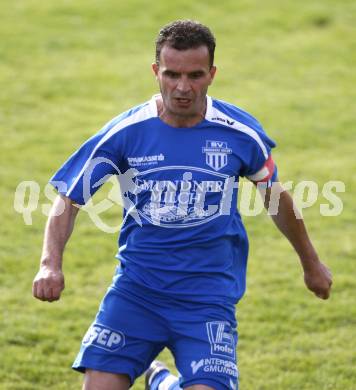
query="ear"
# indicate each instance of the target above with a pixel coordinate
(212, 72)
(155, 69)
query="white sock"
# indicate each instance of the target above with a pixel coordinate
(171, 382)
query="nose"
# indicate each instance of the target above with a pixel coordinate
(183, 85)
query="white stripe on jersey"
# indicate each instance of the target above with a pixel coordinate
(260, 175)
(144, 113)
(213, 112)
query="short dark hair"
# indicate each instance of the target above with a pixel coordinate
(183, 35)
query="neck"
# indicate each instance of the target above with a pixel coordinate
(175, 120)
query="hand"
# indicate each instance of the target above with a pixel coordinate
(48, 284)
(318, 279)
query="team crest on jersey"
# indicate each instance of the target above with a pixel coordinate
(216, 153)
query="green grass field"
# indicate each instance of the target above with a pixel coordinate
(67, 67)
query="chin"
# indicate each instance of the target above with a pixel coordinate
(188, 111)
(185, 113)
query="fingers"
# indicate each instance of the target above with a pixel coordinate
(55, 293)
(47, 289)
(329, 275)
(325, 295)
(37, 290)
(318, 279)
(48, 294)
(41, 292)
(325, 292)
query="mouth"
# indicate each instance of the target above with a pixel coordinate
(184, 102)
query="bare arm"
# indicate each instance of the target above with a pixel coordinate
(317, 276)
(49, 281)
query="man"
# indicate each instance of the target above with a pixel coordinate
(182, 246)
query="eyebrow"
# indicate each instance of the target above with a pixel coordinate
(193, 73)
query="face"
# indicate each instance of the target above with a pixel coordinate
(184, 77)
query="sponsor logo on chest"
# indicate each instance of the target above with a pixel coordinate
(145, 160)
(189, 196)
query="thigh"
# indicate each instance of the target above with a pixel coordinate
(205, 354)
(124, 338)
(98, 380)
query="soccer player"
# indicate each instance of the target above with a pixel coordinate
(182, 246)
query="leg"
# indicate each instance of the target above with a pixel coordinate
(117, 348)
(205, 355)
(158, 377)
(99, 380)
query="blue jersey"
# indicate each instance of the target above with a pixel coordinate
(182, 234)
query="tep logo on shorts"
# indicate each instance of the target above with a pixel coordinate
(221, 339)
(103, 337)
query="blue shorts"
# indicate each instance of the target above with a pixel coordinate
(134, 324)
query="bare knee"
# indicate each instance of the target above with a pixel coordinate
(99, 380)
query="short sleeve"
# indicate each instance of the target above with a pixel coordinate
(90, 166)
(259, 163)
